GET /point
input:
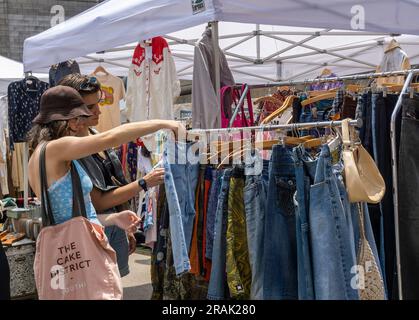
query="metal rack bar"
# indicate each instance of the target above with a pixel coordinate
(216, 48)
(307, 125)
(343, 78)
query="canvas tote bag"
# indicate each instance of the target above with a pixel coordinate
(73, 260)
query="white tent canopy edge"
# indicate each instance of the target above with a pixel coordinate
(10, 71)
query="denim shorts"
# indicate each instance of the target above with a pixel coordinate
(119, 242)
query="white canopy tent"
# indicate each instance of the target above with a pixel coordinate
(10, 71)
(256, 53)
(347, 54)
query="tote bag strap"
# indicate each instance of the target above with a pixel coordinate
(79, 207)
(240, 120)
(223, 91)
(47, 217)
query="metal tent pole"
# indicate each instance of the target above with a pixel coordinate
(215, 44)
(307, 125)
(258, 42)
(25, 175)
(26, 168)
(395, 180)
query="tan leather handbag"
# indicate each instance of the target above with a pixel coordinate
(363, 180)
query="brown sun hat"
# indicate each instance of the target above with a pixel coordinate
(61, 103)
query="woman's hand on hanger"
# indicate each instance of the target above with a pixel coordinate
(178, 129)
(154, 178)
(126, 220)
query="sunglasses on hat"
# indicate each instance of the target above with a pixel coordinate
(91, 83)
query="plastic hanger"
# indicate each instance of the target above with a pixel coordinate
(99, 69)
(30, 81)
(326, 72)
(316, 93)
(268, 144)
(398, 87)
(392, 45)
(287, 103)
(354, 88)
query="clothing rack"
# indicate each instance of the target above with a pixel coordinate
(317, 80)
(409, 73)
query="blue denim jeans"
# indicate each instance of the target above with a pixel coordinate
(119, 242)
(211, 211)
(280, 249)
(382, 109)
(331, 235)
(181, 178)
(218, 279)
(305, 170)
(255, 194)
(306, 116)
(323, 109)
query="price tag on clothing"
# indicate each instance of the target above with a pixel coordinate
(148, 52)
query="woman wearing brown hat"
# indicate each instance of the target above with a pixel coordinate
(63, 114)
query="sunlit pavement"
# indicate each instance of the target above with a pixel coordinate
(137, 284)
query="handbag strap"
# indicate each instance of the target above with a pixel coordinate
(361, 221)
(46, 211)
(345, 133)
(79, 208)
(223, 92)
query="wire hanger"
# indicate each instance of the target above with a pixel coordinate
(31, 82)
